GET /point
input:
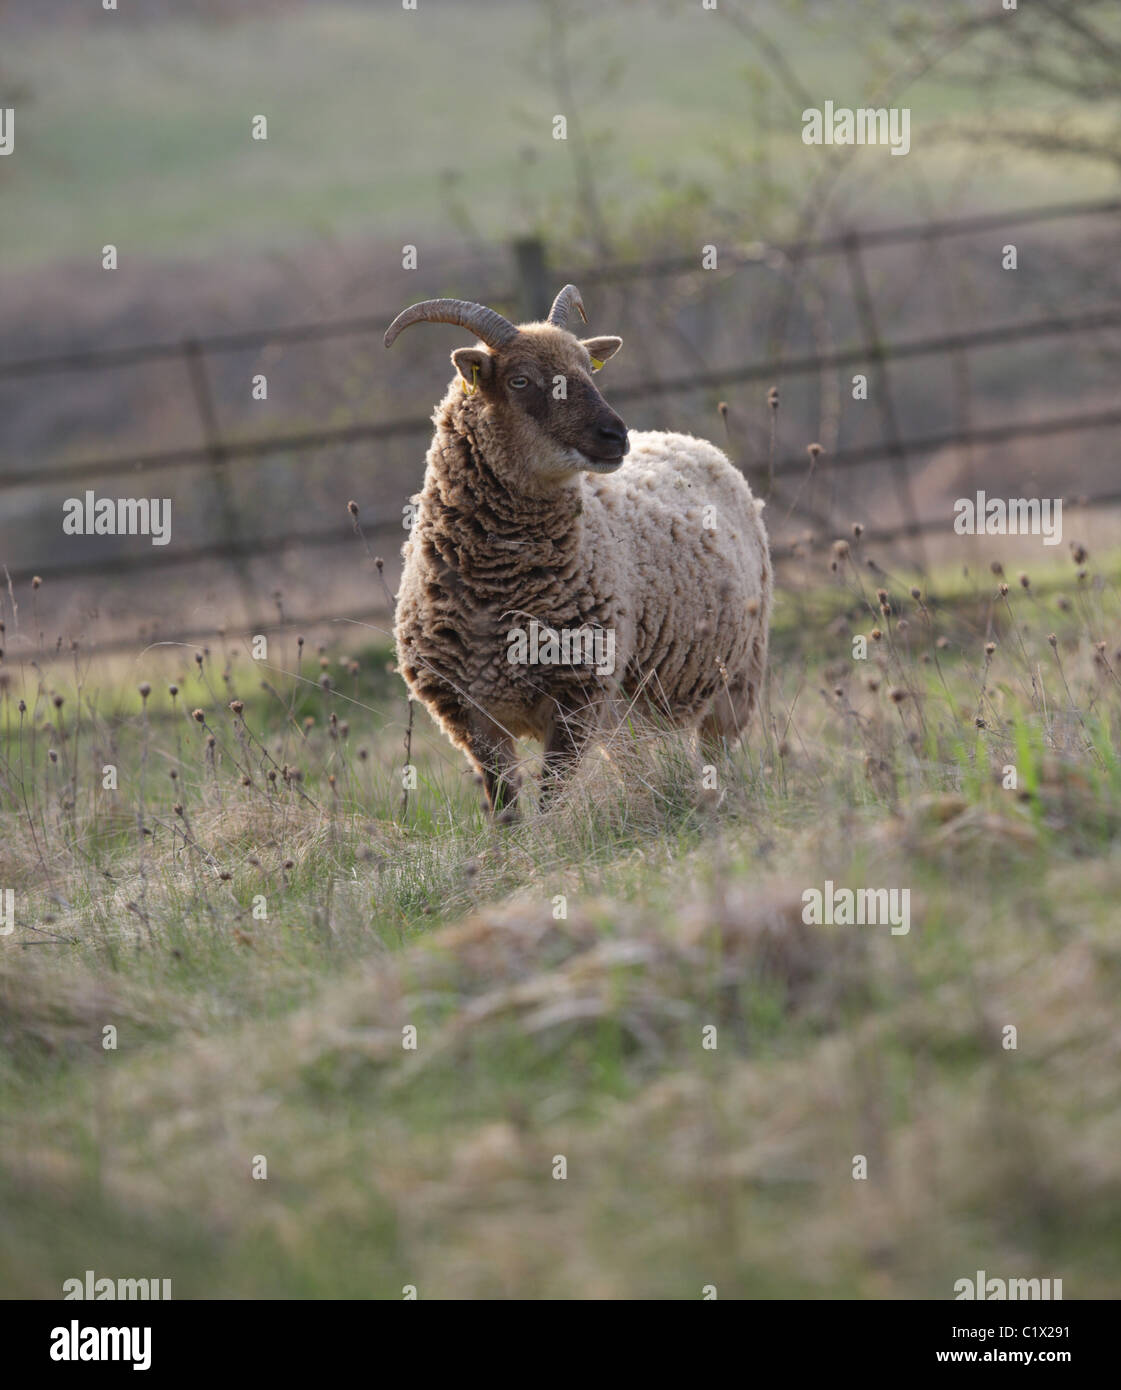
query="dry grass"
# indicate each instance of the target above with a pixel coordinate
(561, 975)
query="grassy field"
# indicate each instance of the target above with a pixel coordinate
(140, 134)
(260, 914)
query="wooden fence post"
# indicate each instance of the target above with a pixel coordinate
(534, 299)
(889, 420)
(231, 526)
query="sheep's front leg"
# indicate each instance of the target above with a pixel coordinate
(492, 752)
(565, 740)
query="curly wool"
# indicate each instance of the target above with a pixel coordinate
(630, 552)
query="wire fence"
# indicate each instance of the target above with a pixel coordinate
(223, 453)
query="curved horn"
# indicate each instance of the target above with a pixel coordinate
(492, 328)
(565, 302)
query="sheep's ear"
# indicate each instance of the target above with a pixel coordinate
(473, 364)
(600, 349)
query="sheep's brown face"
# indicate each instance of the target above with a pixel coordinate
(542, 385)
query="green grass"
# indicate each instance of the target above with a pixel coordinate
(578, 1034)
(145, 128)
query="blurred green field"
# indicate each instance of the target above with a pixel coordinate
(146, 142)
(541, 1034)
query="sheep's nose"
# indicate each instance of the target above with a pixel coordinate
(615, 436)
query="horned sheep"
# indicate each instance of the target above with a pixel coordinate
(542, 517)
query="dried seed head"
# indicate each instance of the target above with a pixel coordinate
(881, 594)
(772, 397)
(857, 529)
(815, 451)
(1052, 640)
(198, 716)
(1063, 604)
(36, 582)
(902, 625)
(325, 682)
(840, 549)
(996, 567)
(1079, 553)
(145, 690)
(173, 690)
(979, 722)
(916, 593)
(174, 775)
(210, 740)
(990, 647)
(289, 863)
(1025, 582)
(52, 755)
(1004, 590)
(238, 706)
(876, 634)
(178, 808)
(352, 508)
(57, 702)
(898, 694)
(309, 722)
(198, 660)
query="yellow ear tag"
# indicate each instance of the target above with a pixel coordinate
(596, 363)
(470, 390)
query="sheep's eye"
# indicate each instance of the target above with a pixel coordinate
(519, 383)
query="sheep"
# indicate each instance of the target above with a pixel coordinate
(530, 528)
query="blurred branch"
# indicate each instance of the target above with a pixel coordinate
(561, 75)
